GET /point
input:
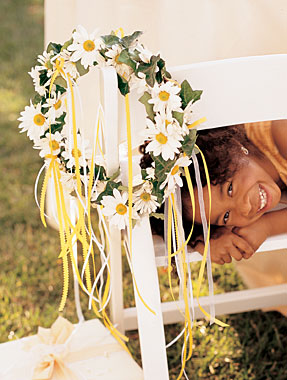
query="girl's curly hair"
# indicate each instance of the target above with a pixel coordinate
(222, 149)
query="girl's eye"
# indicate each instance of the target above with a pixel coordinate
(230, 189)
(226, 217)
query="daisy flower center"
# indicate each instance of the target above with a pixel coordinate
(161, 138)
(39, 119)
(167, 123)
(54, 145)
(164, 96)
(89, 45)
(121, 209)
(58, 104)
(74, 153)
(145, 196)
(175, 170)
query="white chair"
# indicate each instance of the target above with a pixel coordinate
(235, 91)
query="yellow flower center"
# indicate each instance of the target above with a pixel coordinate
(74, 153)
(121, 209)
(39, 119)
(58, 104)
(164, 96)
(89, 45)
(145, 196)
(54, 145)
(167, 123)
(161, 138)
(175, 170)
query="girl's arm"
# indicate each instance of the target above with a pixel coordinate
(270, 224)
(279, 134)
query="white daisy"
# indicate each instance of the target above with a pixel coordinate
(56, 105)
(144, 201)
(35, 75)
(45, 63)
(116, 209)
(85, 47)
(69, 66)
(144, 54)
(121, 68)
(69, 181)
(174, 176)
(165, 98)
(51, 144)
(165, 140)
(84, 152)
(33, 121)
(138, 83)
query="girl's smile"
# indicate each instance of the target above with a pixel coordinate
(243, 199)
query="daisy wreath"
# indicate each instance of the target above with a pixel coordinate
(77, 169)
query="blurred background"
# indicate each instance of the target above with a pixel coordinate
(255, 344)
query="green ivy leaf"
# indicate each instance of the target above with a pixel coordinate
(54, 47)
(149, 69)
(123, 85)
(60, 81)
(37, 99)
(149, 107)
(115, 175)
(108, 190)
(187, 94)
(178, 116)
(66, 44)
(110, 40)
(124, 57)
(157, 215)
(100, 172)
(157, 191)
(80, 68)
(162, 167)
(188, 142)
(43, 78)
(127, 41)
(61, 119)
(60, 89)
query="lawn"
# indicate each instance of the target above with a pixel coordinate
(253, 347)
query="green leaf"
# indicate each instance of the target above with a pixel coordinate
(100, 172)
(54, 47)
(149, 107)
(110, 40)
(157, 191)
(60, 89)
(60, 81)
(37, 99)
(61, 119)
(123, 85)
(115, 175)
(43, 78)
(178, 116)
(108, 190)
(157, 215)
(124, 57)
(149, 69)
(127, 41)
(81, 69)
(123, 188)
(66, 44)
(187, 94)
(188, 142)
(56, 128)
(144, 173)
(162, 167)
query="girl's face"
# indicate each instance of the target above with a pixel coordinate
(242, 200)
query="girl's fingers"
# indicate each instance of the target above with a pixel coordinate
(235, 253)
(243, 246)
(227, 258)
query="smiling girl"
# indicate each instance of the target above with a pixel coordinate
(248, 170)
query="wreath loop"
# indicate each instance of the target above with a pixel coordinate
(169, 134)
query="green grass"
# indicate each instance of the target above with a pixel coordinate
(253, 347)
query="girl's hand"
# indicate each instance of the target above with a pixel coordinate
(225, 245)
(255, 234)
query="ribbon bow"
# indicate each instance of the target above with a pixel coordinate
(54, 353)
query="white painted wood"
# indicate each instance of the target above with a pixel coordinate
(151, 330)
(226, 303)
(109, 101)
